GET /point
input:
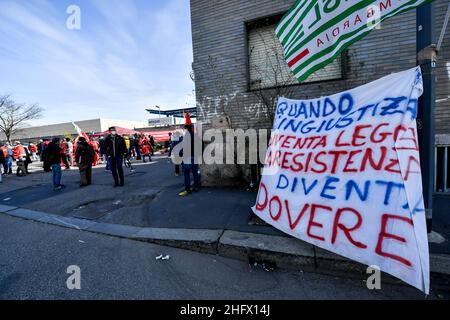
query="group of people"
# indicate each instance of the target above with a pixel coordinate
(113, 149)
(22, 155)
(85, 155)
(139, 146)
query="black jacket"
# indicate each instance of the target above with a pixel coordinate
(115, 146)
(2, 157)
(84, 154)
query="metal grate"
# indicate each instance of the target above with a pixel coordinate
(268, 68)
(442, 183)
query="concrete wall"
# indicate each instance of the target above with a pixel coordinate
(223, 99)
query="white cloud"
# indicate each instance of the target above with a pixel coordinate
(130, 58)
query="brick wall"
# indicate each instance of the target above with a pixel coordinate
(221, 62)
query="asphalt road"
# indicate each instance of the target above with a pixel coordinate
(34, 259)
(149, 199)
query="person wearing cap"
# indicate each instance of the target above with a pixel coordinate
(116, 149)
(84, 158)
(191, 153)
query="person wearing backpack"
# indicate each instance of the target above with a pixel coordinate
(85, 158)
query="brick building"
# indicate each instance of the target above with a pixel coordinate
(235, 52)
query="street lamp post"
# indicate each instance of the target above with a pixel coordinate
(426, 59)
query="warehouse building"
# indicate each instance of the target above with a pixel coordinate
(63, 129)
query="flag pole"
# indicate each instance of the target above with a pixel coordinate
(426, 59)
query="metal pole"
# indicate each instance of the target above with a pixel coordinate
(426, 58)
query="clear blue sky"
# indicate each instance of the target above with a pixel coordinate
(128, 55)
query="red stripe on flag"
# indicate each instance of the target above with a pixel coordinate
(302, 54)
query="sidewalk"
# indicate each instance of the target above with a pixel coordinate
(148, 208)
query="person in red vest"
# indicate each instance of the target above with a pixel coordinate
(96, 147)
(33, 149)
(7, 162)
(146, 149)
(20, 155)
(18, 151)
(64, 153)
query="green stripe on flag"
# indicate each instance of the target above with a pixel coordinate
(291, 31)
(360, 5)
(284, 39)
(285, 21)
(303, 76)
(349, 35)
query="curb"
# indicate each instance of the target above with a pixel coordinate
(202, 240)
(286, 252)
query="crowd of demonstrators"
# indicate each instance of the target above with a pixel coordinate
(112, 149)
(19, 154)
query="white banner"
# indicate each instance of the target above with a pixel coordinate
(343, 173)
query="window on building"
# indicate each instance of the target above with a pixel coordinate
(267, 66)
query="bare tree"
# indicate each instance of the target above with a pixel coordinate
(14, 115)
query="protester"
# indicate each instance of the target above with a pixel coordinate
(152, 145)
(128, 145)
(133, 146)
(168, 142)
(33, 150)
(19, 155)
(64, 154)
(40, 150)
(137, 146)
(45, 144)
(175, 139)
(115, 151)
(84, 157)
(69, 154)
(191, 158)
(146, 149)
(52, 156)
(96, 147)
(8, 153)
(6, 157)
(2, 162)
(28, 160)
(102, 151)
